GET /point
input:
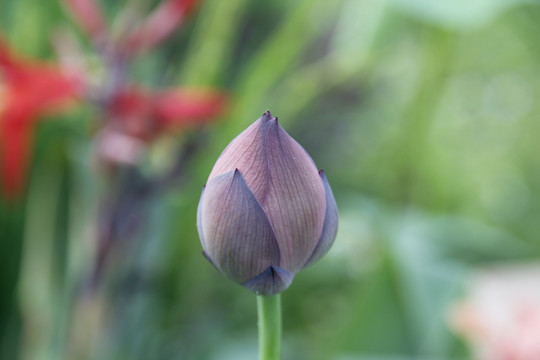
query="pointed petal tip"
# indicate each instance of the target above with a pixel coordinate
(236, 173)
(272, 281)
(267, 116)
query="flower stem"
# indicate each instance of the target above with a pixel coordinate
(269, 311)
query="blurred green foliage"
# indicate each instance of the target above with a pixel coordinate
(423, 115)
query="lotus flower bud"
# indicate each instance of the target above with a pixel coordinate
(265, 212)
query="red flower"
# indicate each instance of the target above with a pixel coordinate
(147, 114)
(30, 90)
(133, 113)
(140, 112)
(133, 110)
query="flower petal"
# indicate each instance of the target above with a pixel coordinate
(31, 89)
(295, 202)
(238, 236)
(270, 282)
(330, 227)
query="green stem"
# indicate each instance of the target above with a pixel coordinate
(269, 310)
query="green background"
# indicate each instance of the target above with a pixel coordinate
(422, 114)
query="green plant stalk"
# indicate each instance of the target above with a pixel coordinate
(269, 312)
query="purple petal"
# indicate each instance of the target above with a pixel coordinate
(330, 224)
(270, 282)
(295, 202)
(237, 233)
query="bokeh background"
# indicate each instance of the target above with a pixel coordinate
(423, 114)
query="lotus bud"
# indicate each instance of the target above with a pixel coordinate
(265, 212)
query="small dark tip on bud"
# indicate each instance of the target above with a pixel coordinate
(237, 175)
(321, 171)
(267, 116)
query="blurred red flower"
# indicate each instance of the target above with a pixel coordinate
(146, 114)
(133, 114)
(136, 116)
(131, 109)
(29, 90)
